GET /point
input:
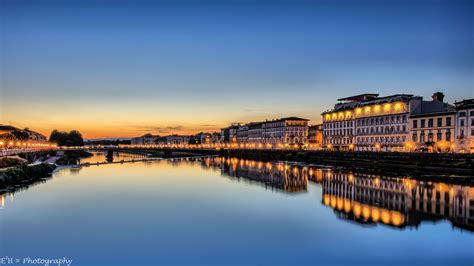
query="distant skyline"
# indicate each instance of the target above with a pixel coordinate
(126, 68)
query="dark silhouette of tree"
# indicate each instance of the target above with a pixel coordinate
(62, 138)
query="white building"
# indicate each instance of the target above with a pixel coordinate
(465, 126)
(147, 139)
(368, 123)
(286, 131)
(229, 134)
(432, 125)
(243, 134)
(276, 133)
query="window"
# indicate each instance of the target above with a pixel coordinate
(422, 137)
(462, 114)
(448, 121)
(472, 122)
(415, 123)
(438, 136)
(448, 135)
(422, 122)
(471, 113)
(430, 122)
(472, 132)
(461, 122)
(440, 122)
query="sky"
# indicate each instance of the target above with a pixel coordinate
(126, 68)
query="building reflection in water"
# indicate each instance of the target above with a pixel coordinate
(399, 202)
(363, 198)
(279, 176)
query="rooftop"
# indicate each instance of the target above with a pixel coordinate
(432, 107)
(464, 104)
(360, 97)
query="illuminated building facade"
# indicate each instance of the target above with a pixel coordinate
(465, 126)
(277, 133)
(255, 133)
(243, 134)
(315, 136)
(147, 139)
(289, 130)
(432, 125)
(229, 134)
(368, 123)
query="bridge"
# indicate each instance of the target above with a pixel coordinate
(18, 151)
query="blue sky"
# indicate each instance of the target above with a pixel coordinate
(124, 68)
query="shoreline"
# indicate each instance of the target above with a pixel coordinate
(419, 163)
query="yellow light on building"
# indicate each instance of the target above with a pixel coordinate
(365, 211)
(358, 111)
(334, 116)
(398, 107)
(367, 109)
(357, 209)
(327, 117)
(375, 214)
(385, 216)
(1, 143)
(377, 108)
(351, 146)
(387, 107)
(348, 114)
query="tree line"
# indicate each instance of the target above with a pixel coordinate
(63, 138)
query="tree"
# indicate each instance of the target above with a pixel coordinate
(62, 138)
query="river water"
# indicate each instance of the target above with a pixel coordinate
(226, 211)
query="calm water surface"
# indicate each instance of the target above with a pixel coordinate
(237, 212)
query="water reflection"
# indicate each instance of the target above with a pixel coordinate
(399, 201)
(279, 176)
(100, 157)
(365, 199)
(362, 198)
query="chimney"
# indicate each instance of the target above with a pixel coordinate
(438, 96)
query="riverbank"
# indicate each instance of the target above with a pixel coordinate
(425, 163)
(24, 174)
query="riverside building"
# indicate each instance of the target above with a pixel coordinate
(432, 125)
(286, 131)
(277, 133)
(367, 122)
(315, 136)
(229, 134)
(465, 126)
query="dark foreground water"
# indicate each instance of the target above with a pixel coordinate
(237, 212)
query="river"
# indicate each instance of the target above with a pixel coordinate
(226, 211)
